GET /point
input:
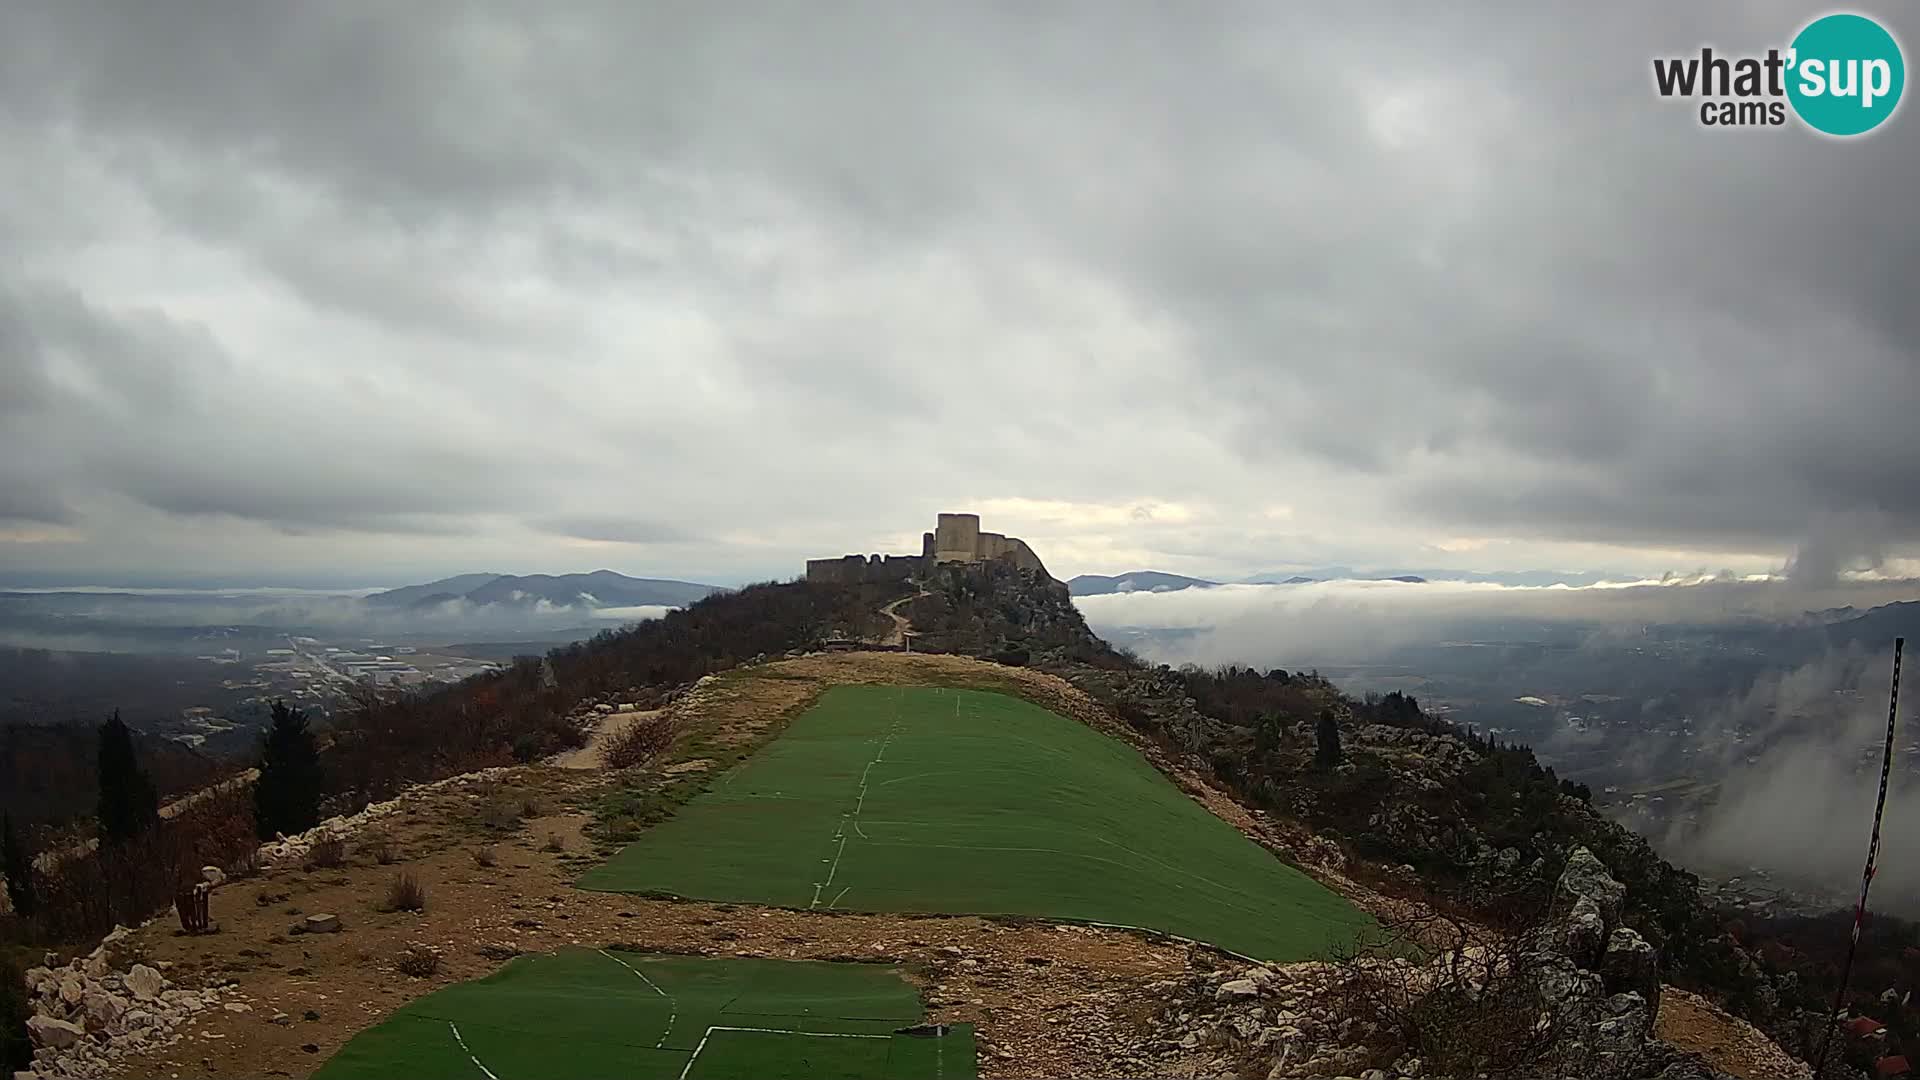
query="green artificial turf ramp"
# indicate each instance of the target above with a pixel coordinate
(920, 799)
(589, 1014)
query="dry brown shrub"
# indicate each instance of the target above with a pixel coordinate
(405, 893)
(638, 743)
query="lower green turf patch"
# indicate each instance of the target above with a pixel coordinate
(918, 799)
(591, 1014)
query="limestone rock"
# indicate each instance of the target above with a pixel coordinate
(72, 991)
(54, 1034)
(213, 876)
(322, 924)
(1587, 876)
(1237, 989)
(1585, 933)
(1630, 966)
(144, 983)
(102, 1009)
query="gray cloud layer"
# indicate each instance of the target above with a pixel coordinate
(677, 289)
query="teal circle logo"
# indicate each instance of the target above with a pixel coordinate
(1846, 74)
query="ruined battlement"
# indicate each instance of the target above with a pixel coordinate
(956, 538)
(862, 569)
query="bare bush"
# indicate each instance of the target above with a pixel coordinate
(381, 850)
(84, 893)
(499, 811)
(638, 743)
(405, 893)
(245, 865)
(419, 961)
(328, 853)
(1461, 997)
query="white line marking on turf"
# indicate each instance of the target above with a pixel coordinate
(860, 804)
(837, 899)
(470, 1057)
(766, 1031)
(673, 1007)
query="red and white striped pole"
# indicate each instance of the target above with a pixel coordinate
(1873, 859)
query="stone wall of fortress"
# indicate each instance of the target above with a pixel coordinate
(956, 538)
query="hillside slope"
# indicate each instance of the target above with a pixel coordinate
(1414, 812)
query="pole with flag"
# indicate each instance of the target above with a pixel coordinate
(1873, 859)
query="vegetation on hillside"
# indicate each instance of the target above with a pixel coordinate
(48, 773)
(1393, 785)
(1484, 827)
(286, 797)
(129, 804)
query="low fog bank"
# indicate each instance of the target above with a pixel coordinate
(1361, 622)
(168, 620)
(1797, 791)
(1787, 728)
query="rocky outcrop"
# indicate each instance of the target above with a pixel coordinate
(1586, 982)
(89, 1014)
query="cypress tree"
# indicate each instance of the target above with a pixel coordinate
(18, 867)
(286, 798)
(1327, 733)
(129, 804)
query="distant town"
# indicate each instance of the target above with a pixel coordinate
(318, 674)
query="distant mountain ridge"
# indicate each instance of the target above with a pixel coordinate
(1134, 581)
(599, 589)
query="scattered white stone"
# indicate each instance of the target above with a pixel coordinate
(1237, 989)
(54, 1034)
(144, 983)
(103, 1009)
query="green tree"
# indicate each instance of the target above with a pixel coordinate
(286, 798)
(129, 805)
(1327, 734)
(18, 867)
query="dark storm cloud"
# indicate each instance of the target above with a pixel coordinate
(617, 530)
(506, 273)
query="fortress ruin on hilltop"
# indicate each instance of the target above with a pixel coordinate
(956, 538)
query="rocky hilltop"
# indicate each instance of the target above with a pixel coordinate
(1521, 933)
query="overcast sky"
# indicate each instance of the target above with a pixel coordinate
(374, 292)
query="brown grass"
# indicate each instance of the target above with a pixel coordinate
(405, 893)
(639, 742)
(327, 853)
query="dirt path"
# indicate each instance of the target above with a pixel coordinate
(1728, 1043)
(901, 627)
(588, 756)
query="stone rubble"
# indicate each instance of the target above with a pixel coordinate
(286, 847)
(1597, 979)
(90, 1014)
